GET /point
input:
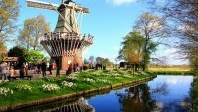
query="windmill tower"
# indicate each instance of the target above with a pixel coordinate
(65, 44)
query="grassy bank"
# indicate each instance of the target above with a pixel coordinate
(171, 70)
(15, 94)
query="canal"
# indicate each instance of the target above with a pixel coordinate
(165, 93)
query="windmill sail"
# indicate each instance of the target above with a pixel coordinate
(42, 5)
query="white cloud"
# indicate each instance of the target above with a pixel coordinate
(120, 2)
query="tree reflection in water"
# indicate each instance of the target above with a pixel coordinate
(172, 94)
(136, 99)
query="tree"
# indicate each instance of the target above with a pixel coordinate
(34, 56)
(132, 47)
(19, 52)
(183, 13)
(91, 59)
(107, 62)
(9, 11)
(154, 30)
(33, 30)
(2, 50)
(99, 60)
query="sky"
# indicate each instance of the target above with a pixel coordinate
(109, 21)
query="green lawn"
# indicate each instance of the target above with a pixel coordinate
(23, 91)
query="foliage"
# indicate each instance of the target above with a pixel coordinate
(33, 30)
(132, 47)
(9, 12)
(34, 56)
(19, 52)
(3, 48)
(103, 61)
(154, 29)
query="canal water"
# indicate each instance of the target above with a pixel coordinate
(165, 93)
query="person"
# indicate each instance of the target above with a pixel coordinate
(11, 73)
(43, 68)
(38, 68)
(50, 68)
(26, 70)
(3, 67)
(69, 71)
(22, 71)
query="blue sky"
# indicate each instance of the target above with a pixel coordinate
(109, 21)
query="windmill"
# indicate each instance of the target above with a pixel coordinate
(65, 44)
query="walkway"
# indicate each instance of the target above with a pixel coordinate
(39, 75)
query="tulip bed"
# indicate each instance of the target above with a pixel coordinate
(23, 91)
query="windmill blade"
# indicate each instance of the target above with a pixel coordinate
(84, 9)
(77, 8)
(42, 5)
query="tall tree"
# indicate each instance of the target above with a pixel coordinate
(9, 11)
(154, 29)
(184, 14)
(132, 47)
(33, 30)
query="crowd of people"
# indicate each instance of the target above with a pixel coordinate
(7, 70)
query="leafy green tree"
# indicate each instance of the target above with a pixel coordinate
(154, 29)
(33, 30)
(34, 56)
(19, 52)
(9, 11)
(132, 48)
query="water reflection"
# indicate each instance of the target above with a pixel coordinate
(163, 94)
(80, 105)
(136, 99)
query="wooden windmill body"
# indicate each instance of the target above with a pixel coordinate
(66, 44)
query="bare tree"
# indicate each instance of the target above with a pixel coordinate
(184, 14)
(34, 28)
(154, 29)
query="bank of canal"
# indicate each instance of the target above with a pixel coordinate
(86, 83)
(165, 93)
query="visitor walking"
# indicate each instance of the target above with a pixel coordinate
(69, 71)
(22, 71)
(3, 67)
(43, 68)
(50, 68)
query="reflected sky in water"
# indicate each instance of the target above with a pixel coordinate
(162, 94)
(177, 91)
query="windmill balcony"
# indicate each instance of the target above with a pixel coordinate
(66, 36)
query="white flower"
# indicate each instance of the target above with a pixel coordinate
(50, 87)
(4, 92)
(68, 84)
(88, 80)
